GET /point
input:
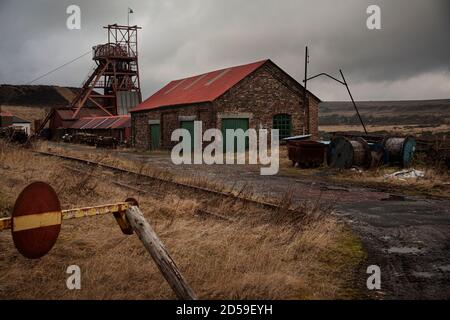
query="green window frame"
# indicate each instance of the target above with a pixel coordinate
(283, 122)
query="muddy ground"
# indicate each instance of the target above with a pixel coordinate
(408, 237)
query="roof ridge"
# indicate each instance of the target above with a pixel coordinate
(221, 69)
(205, 87)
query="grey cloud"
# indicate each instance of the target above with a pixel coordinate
(180, 38)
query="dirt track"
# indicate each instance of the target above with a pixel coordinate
(407, 237)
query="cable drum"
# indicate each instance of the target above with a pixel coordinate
(344, 153)
(362, 156)
(340, 153)
(400, 150)
(379, 155)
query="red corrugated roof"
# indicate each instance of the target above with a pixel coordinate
(122, 123)
(111, 122)
(67, 114)
(92, 124)
(202, 88)
(80, 123)
(107, 122)
(6, 114)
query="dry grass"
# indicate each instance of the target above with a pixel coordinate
(436, 182)
(108, 158)
(394, 129)
(258, 255)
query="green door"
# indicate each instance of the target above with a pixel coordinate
(155, 135)
(234, 124)
(189, 125)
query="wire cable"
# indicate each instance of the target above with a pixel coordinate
(57, 68)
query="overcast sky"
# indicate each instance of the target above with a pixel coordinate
(408, 58)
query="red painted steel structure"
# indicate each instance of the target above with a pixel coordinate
(112, 88)
(116, 70)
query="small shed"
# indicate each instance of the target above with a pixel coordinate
(6, 119)
(22, 124)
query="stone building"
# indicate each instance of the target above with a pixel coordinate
(259, 95)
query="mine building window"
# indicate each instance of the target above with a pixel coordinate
(283, 122)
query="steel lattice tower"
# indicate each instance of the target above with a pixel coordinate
(114, 84)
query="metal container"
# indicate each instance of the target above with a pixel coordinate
(340, 153)
(379, 155)
(362, 156)
(306, 153)
(400, 150)
(344, 153)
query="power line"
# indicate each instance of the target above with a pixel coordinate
(57, 68)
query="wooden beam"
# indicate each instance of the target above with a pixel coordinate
(159, 254)
(100, 106)
(98, 72)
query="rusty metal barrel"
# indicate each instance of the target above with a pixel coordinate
(340, 153)
(344, 153)
(400, 150)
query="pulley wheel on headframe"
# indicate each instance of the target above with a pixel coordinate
(36, 220)
(400, 150)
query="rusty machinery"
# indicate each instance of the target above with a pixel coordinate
(345, 151)
(116, 74)
(114, 85)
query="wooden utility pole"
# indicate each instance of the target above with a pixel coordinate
(305, 98)
(159, 254)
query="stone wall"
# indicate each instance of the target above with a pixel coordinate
(170, 119)
(263, 94)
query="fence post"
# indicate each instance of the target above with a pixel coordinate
(159, 254)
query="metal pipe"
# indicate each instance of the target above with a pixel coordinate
(348, 90)
(324, 74)
(353, 101)
(305, 119)
(5, 223)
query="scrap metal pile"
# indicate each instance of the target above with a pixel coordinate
(345, 151)
(13, 134)
(91, 140)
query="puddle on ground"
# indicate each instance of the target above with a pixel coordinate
(404, 250)
(445, 268)
(422, 274)
(394, 197)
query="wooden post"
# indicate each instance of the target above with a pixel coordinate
(159, 254)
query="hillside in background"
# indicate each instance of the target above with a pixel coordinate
(36, 96)
(420, 112)
(34, 102)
